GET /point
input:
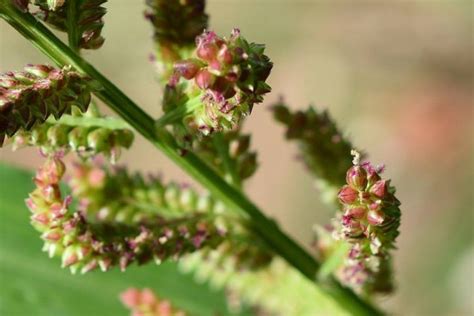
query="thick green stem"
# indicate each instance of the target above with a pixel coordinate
(264, 227)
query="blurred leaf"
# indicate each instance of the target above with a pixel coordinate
(33, 284)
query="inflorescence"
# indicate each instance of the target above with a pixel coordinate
(218, 86)
(37, 92)
(85, 244)
(369, 222)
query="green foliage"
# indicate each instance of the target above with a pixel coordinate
(32, 284)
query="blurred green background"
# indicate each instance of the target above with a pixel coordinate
(397, 76)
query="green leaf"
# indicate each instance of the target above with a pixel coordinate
(33, 284)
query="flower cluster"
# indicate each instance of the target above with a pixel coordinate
(87, 20)
(32, 95)
(218, 86)
(371, 211)
(85, 245)
(176, 23)
(369, 222)
(146, 303)
(323, 148)
(116, 196)
(86, 140)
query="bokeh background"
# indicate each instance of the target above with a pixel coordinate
(397, 76)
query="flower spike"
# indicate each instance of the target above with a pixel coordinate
(37, 92)
(85, 244)
(323, 148)
(369, 222)
(85, 19)
(86, 134)
(219, 86)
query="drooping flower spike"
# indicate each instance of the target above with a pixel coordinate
(114, 195)
(85, 244)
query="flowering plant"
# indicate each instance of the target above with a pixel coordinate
(95, 214)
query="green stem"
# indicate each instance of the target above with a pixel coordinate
(179, 112)
(228, 163)
(334, 261)
(72, 24)
(264, 227)
(89, 121)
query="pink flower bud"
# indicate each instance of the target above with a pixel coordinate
(204, 79)
(225, 56)
(130, 297)
(52, 236)
(207, 51)
(164, 309)
(105, 264)
(186, 68)
(96, 177)
(89, 267)
(41, 218)
(347, 195)
(357, 177)
(69, 259)
(356, 212)
(379, 188)
(147, 297)
(375, 217)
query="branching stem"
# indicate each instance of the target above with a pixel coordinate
(264, 227)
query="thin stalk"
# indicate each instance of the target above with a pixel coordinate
(72, 24)
(144, 124)
(85, 121)
(229, 165)
(179, 112)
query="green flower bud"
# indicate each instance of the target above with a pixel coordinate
(77, 138)
(98, 139)
(86, 140)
